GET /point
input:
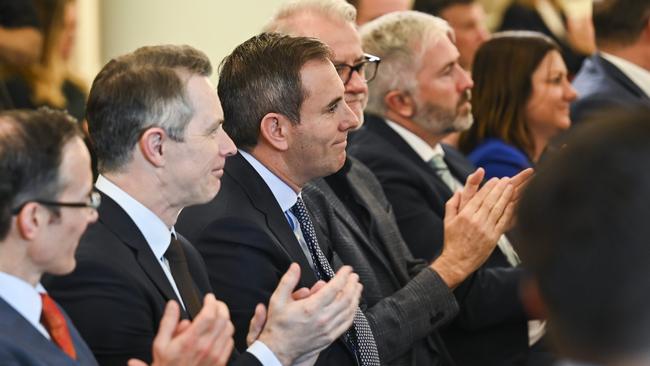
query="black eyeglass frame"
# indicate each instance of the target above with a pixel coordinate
(368, 59)
(94, 203)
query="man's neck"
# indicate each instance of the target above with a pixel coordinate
(419, 131)
(14, 261)
(147, 190)
(274, 162)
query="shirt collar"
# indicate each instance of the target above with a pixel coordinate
(421, 147)
(23, 297)
(154, 230)
(636, 73)
(285, 196)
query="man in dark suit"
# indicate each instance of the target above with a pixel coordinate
(619, 74)
(46, 202)
(155, 120)
(351, 210)
(587, 196)
(413, 109)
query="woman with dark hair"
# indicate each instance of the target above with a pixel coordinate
(521, 100)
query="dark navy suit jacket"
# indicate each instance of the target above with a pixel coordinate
(22, 344)
(601, 85)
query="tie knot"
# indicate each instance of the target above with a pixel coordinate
(174, 252)
(438, 162)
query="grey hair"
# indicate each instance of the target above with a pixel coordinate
(334, 9)
(400, 39)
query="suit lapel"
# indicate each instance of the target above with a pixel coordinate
(119, 222)
(380, 127)
(263, 200)
(618, 76)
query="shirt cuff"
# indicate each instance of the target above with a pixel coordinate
(263, 354)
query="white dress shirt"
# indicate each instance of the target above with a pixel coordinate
(636, 73)
(158, 236)
(24, 298)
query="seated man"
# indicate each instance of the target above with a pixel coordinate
(155, 121)
(584, 227)
(46, 202)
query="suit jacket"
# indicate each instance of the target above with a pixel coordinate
(407, 301)
(22, 344)
(491, 328)
(602, 85)
(117, 294)
(247, 244)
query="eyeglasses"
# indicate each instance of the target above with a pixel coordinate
(367, 69)
(94, 200)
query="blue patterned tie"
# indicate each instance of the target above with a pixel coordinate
(359, 336)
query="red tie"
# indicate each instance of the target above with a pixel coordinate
(54, 322)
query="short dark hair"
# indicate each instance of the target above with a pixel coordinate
(435, 7)
(139, 90)
(31, 149)
(619, 21)
(583, 232)
(502, 72)
(262, 75)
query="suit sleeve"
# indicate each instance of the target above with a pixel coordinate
(90, 295)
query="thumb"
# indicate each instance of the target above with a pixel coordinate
(256, 325)
(136, 362)
(168, 323)
(288, 282)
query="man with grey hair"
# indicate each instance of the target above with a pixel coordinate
(355, 217)
(422, 95)
(156, 123)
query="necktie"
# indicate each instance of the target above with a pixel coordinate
(55, 324)
(441, 168)
(181, 273)
(359, 337)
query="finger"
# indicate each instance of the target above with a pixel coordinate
(451, 207)
(475, 202)
(257, 323)
(136, 362)
(220, 344)
(224, 356)
(181, 327)
(499, 208)
(168, 323)
(317, 286)
(328, 293)
(344, 310)
(491, 200)
(300, 293)
(472, 184)
(506, 220)
(522, 178)
(288, 282)
(346, 299)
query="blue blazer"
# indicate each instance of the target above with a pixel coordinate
(22, 344)
(602, 85)
(499, 159)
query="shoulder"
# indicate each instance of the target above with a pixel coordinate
(499, 159)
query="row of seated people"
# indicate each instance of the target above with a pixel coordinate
(441, 279)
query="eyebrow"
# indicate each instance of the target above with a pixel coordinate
(334, 102)
(215, 125)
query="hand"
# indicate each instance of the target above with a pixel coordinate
(205, 341)
(296, 330)
(259, 317)
(471, 232)
(519, 183)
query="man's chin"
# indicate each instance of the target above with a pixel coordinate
(463, 123)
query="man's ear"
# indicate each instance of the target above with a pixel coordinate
(400, 103)
(151, 145)
(532, 299)
(31, 218)
(274, 130)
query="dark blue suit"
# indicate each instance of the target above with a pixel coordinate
(499, 159)
(22, 344)
(602, 85)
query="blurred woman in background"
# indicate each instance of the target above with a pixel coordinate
(48, 82)
(520, 101)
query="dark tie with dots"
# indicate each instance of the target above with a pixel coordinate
(359, 337)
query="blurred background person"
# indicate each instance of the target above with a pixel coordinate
(567, 22)
(521, 100)
(48, 81)
(619, 74)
